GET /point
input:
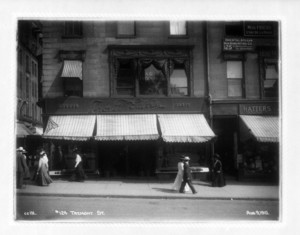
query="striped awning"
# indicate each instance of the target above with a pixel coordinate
(72, 69)
(185, 128)
(126, 127)
(263, 128)
(77, 127)
(22, 130)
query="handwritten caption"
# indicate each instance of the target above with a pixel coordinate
(79, 213)
(259, 213)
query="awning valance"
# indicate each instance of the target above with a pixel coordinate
(22, 130)
(73, 127)
(263, 128)
(72, 69)
(126, 127)
(185, 128)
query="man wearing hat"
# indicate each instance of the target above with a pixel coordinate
(187, 176)
(22, 168)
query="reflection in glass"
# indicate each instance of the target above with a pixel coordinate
(178, 82)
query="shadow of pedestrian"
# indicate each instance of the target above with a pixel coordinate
(165, 190)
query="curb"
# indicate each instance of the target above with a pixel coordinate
(146, 197)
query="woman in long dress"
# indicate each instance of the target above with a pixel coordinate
(43, 178)
(218, 179)
(179, 177)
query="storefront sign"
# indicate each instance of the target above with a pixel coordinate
(238, 44)
(258, 109)
(130, 105)
(259, 28)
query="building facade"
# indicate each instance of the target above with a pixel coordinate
(28, 113)
(244, 83)
(134, 96)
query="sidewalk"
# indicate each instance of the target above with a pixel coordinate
(127, 188)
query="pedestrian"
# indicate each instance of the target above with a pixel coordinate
(218, 179)
(43, 178)
(79, 172)
(187, 176)
(179, 177)
(22, 168)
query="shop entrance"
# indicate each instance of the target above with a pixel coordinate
(127, 159)
(226, 128)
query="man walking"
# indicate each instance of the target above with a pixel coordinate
(22, 168)
(187, 176)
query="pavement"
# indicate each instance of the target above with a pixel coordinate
(152, 188)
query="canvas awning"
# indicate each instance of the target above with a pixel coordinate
(72, 127)
(185, 128)
(22, 130)
(72, 69)
(127, 127)
(263, 128)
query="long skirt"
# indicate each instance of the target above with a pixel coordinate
(218, 180)
(43, 178)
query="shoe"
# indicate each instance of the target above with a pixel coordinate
(195, 192)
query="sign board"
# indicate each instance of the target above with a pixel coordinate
(258, 109)
(238, 44)
(64, 106)
(255, 29)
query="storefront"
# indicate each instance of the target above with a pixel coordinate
(126, 137)
(248, 139)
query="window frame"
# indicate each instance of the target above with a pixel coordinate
(241, 79)
(73, 34)
(141, 53)
(174, 36)
(119, 35)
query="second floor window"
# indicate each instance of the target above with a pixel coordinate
(72, 78)
(141, 75)
(270, 82)
(235, 78)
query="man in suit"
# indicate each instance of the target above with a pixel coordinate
(22, 168)
(187, 176)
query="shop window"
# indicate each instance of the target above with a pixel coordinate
(126, 29)
(153, 81)
(235, 78)
(178, 28)
(270, 83)
(178, 80)
(125, 77)
(73, 29)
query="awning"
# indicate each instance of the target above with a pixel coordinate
(22, 130)
(77, 127)
(263, 128)
(127, 127)
(72, 69)
(185, 128)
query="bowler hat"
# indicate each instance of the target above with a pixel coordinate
(21, 149)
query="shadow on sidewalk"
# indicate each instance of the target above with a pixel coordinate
(164, 190)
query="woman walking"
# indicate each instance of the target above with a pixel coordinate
(179, 177)
(43, 178)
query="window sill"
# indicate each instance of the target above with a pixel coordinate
(178, 37)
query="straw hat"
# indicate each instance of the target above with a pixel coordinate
(21, 149)
(186, 158)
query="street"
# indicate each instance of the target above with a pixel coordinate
(147, 210)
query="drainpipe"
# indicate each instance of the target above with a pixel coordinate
(206, 51)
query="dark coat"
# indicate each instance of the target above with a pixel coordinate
(21, 163)
(187, 175)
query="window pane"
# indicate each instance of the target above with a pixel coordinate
(271, 72)
(178, 28)
(73, 87)
(271, 88)
(125, 78)
(126, 28)
(235, 88)
(178, 82)
(234, 69)
(153, 82)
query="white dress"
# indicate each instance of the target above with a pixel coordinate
(178, 179)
